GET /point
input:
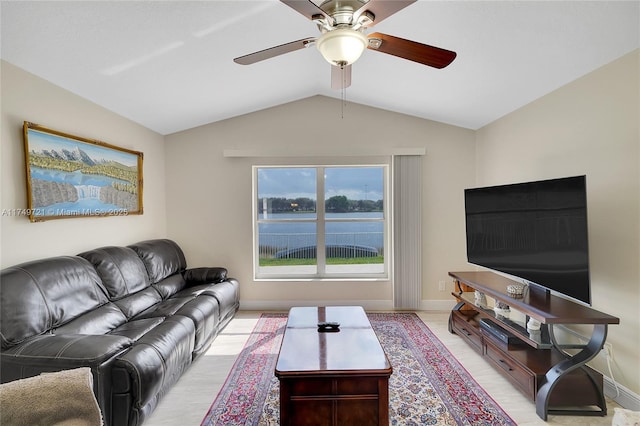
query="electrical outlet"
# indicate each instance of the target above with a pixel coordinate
(442, 285)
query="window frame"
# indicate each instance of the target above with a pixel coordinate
(321, 221)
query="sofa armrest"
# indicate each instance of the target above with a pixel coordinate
(59, 352)
(210, 275)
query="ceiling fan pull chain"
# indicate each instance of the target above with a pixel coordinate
(344, 89)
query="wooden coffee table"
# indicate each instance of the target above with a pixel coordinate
(332, 378)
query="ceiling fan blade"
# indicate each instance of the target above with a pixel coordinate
(306, 8)
(340, 77)
(412, 50)
(382, 9)
(261, 55)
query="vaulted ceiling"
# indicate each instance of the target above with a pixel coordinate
(168, 65)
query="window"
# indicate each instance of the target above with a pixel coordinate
(320, 222)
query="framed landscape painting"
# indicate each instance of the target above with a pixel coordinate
(70, 176)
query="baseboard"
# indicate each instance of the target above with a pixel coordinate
(623, 396)
(370, 305)
(285, 305)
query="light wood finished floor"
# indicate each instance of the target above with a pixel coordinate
(189, 400)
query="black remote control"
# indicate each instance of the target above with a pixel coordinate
(325, 326)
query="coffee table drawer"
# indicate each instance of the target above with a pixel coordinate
(338, 386)
(334, 413)
(334, 401)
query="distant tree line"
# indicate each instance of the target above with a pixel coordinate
(335, 204)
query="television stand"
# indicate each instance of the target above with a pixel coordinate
(533, 360)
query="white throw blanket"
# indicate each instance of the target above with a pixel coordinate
(64, 398)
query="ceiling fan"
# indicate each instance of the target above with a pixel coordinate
(342, 24)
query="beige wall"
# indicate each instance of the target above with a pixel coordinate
(590, 127)
(209, 212)
(29, 98)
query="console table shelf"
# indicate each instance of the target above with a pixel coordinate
(533, 360)
(517, 326)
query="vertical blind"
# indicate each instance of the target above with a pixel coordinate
(407, 235)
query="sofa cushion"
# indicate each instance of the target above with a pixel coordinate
(121, 270)
(44, 294)
(99, 321)
(155, 361)
(203, 311)
(50, 352)
(166, 308)
(135, 329)
(133, 304)
(205, 314)
(226, 293)
(169, 286)
(161, 257)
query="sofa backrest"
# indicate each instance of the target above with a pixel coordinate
(162, 258)
(41, 295)
(125, 278)
(121, 270)
(165, 263)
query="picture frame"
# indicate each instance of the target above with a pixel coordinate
(70, 176)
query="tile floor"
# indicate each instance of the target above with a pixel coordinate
(189, 400)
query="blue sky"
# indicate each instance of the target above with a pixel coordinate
(356, 183)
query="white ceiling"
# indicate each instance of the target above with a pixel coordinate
(168, 65)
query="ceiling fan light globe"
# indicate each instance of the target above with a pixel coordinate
(342, 46)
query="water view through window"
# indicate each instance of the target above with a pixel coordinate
(341, 235)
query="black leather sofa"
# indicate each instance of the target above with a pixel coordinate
(135, 315)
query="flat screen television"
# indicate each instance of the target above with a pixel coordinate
(535, 231)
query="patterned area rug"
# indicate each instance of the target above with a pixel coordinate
(428, 386)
